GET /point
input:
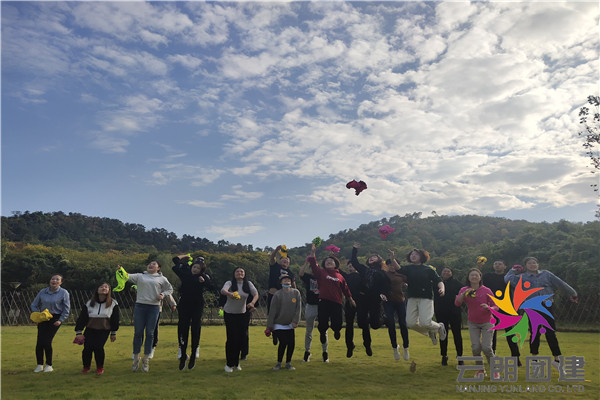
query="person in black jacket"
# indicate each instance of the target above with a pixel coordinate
(194, 281)
(353, 280)
(100, 318)
(449, 314)
(374, 282)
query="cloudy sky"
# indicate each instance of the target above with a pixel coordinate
(244, 121)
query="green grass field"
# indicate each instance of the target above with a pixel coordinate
(361, 377)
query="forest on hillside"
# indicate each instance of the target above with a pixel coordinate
(87, 250)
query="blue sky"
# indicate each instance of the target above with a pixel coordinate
(244, 121)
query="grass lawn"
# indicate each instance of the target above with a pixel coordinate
(361, 377)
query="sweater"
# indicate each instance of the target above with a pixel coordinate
(57, 302)
(285, 308)
(422, 280)
(476, 313)
(150, 286)
(99, 317)
(332, 284)
(543, 279)
(445, 305)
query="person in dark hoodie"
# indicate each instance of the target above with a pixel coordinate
(332, 287)
(447, 313)
(373, 283)
(353, 280)
(194, 281)
(394, 305)
(100, 318)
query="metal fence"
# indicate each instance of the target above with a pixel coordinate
(581, 316)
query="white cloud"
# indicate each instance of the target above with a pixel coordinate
(235, 231)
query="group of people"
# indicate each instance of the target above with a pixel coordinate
(409, 295)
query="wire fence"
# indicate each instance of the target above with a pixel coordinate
(581, 316)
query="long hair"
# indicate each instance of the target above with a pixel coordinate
(96, 297)
(378, 264)
(234, 284)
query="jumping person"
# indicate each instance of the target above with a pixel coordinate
(100, 318)
(353, 280)
(57, 301)
(495, 282)
(311, 310)
(478, 300)
(152, 288)
(394, 305)
(373, 283)
(447, 313)
(283, 320)
(237, 290)
(332, 286)
(549, 283)
(422, 279)
(194, 281)
(276, 269)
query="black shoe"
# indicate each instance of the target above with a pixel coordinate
(369, 351)
(519, 362)
(461, 363)
(325, 357)
(337, 335)
(182, 361)
(192, 362)
(306, 356)
(350, 351)
(444, 360)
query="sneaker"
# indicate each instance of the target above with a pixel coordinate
(191, 363)
(337, 335)
(368, 351)
(39, 368)
(461, 362)
(397, 353)
(136, 363)
(519, 364)
(555, 363)
(228, 368)
(442, 332)
(433, 338)
(151, 355)
(238, 368)
(48, 368)
(306, 356)
(289, 366)
(406, 354)
(182, 361)
(480, 374)
(85, 370)
(99, 371)
(350, 351)
(198, 352)
(444, 360)
(325, 357)
(145, 364)
(179, 353)
(133, 356)
(277, 367)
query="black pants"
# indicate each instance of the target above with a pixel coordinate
(329, 311)
(94, 344)
(246, 339)
(368, 313)
(287, 341)
(190, 317)
(452, 322)
(514, 347)
(235, 326)
(350, 315)
(46, 333)
(551, 338)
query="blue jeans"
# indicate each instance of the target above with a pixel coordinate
(144, 318)
(393, 309)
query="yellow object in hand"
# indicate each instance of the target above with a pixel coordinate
(236, 295)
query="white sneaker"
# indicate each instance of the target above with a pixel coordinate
(442, 332)
(151, 355)
(406, 354)
(197, 351)
(556, 364)
(145, 364)
(433, 338)
(238, 368)
(136, 362)
(48, 368)
(397, 352)
(133, 356)
(39, 368)
(228, 368)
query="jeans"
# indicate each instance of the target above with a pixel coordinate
(391, 310)
(144, 318)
